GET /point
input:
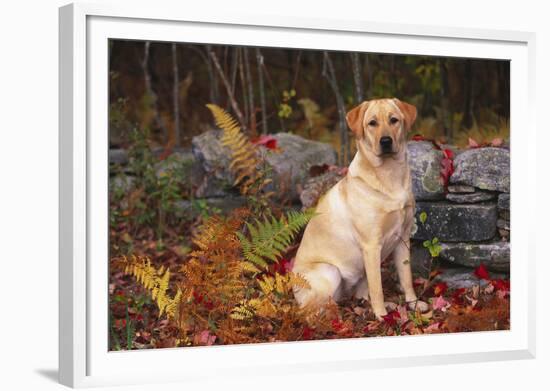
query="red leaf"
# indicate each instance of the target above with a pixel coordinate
(448, 153)
(282, 267)
(337, 325)
(481, 272)
(198, 297)
(440, 288)
(120, 323)
(458, 296)
(418, 137)
(447, 166)
(501, 285)
(307, 333)
(267, 141)
(392, 318)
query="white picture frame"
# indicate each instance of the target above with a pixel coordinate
(84, 357)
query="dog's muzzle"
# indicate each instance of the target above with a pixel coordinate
(386, 144)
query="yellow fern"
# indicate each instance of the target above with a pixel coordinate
(155, 281)
(245, 162)
(274, 297)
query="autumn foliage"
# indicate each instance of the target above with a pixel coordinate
(234, 284)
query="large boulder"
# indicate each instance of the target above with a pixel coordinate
(456, 222)
(291, 165)
(213, 159)
(425, 164)
(495, 256)
(288, 165)
(484, 168)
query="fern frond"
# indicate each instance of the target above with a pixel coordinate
(267, 284)
(245, 161)
(245, 310)
(155, 281)
(270, 238)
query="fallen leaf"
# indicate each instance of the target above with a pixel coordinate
(204, 338)
(439, 303)
(481, 272)
(433, 327)
(266, 141)
(440, 288)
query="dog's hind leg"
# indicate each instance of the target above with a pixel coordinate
(325, 283)
(362, 289)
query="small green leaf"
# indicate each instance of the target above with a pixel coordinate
(427, 244)
(435, 240)
(423, 217)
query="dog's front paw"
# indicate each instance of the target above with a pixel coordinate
(380, 313)
(418, 305)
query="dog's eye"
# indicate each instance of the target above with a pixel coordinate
(372, 122)
(394, 120)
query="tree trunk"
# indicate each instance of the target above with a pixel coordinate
(243, 85)
(329, 74)
(250, 88)
(467, 120)
(368, 65)
(260, 61)
(214, 91)
(444, 95)
(357, 77)
(150, 92)
(177, 133)
(233, 74)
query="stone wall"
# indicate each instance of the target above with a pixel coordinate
(470, 217)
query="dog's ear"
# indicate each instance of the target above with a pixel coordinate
(354, 118)
(408, 110)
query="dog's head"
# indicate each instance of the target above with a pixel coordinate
(381, 125)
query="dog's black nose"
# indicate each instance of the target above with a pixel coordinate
(386, 144)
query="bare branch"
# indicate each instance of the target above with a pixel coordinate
(357, 77)
(225, 82)
(150, 92)
(260, 61)
(175, 69)
(251, 108)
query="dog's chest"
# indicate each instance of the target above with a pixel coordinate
(395, 228)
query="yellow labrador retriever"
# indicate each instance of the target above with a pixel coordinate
(366, 217)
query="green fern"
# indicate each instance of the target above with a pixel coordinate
(270, 237)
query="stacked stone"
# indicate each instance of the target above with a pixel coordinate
(470, 219)
(503, 222)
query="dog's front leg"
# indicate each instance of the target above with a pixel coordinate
(371, 258)
(402, 259)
